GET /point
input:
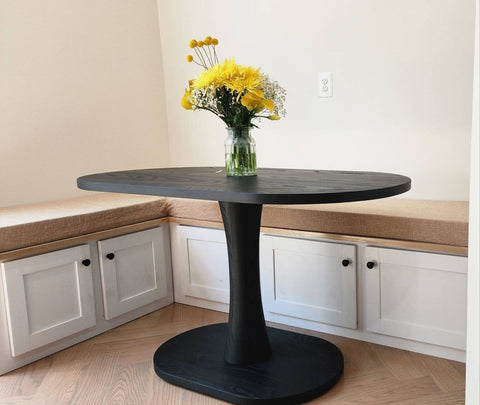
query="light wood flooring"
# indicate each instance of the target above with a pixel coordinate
(116, 368)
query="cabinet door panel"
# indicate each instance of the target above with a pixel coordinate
(48, 297)
(137, 271)
(417, 295)
(134, 266)
(207, 264)
(201, 267)
(307, 280)
(301, 286)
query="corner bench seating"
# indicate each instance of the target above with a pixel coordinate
(38, 232)
(439, 225)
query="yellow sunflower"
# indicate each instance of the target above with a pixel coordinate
(211, 78)
(236, 77)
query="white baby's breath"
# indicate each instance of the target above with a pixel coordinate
(273, 91)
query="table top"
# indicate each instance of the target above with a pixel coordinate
(270, 186)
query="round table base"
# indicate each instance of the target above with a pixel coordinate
(300, 368)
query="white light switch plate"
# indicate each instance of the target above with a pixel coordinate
(325, 84)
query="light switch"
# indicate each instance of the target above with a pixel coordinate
(325, 85)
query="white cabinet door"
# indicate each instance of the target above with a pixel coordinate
(417, 295)
(200, 263)
(48, 297)
(310, 280)
(135, 270)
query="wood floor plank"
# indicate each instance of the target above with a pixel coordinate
(402, 364)
(386, 391)
(445, 375)
(144, 349)
(359, 356)
(116, 368)
(452, 398)
(23, 400)
(27, 381)
(122, 391)
(356, 383)
(95, 380)
(62, 381)
(460, 367)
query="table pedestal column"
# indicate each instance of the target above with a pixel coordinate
(244, 362)
(247, 340)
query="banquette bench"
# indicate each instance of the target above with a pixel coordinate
(428, 224)
(440, 225)
(106, 233)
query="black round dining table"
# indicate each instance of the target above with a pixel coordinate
(244, 361)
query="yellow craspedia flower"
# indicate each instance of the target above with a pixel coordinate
(189, 58)
(215, 41)
(186, 103)
(200, 44)
(207, 41)
(192, 44)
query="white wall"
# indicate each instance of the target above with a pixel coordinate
(82, 88)
(402, 77)
(81, 91)
(473, 321)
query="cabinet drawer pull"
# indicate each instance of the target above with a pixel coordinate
(110, 256)
(371, 264)
(345, 262)
(86, 262)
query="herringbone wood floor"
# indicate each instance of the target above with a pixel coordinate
(116, 368)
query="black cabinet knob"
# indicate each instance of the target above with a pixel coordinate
(371, 264)
(86, 262)
(110, 256)
(345, 262)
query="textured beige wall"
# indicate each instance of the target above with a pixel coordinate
(81, 91)
(402, 80)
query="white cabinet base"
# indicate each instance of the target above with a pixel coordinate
(200, 267)
(418, 306)
(48, 297)
(366, 336)
(135, 270)
(417, 296)
(63, 277)
(306, 279)
(305, 284)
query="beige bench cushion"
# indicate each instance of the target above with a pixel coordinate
(443, 222)
(30, 225)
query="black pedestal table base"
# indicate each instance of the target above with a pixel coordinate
(300, 368)
(245, 362)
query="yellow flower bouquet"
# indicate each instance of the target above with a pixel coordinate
(238, 95)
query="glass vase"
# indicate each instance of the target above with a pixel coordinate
(240, 156)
